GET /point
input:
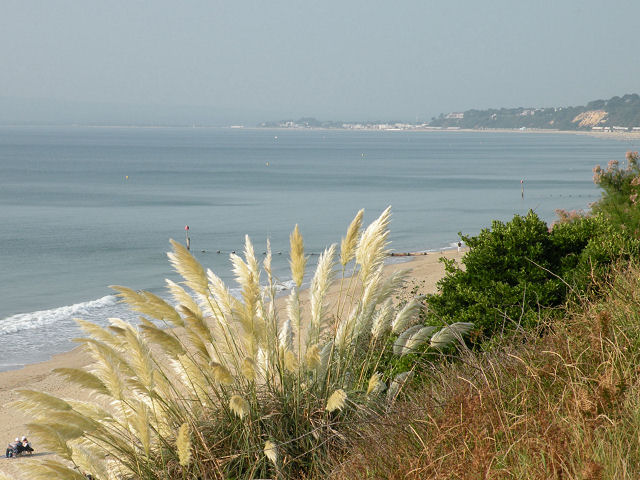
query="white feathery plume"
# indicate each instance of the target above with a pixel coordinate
(319, 286)
(223, 299)
(294, 311)
(417, 339)
(312, 357)
(344, 332)
(90, 460)
(239, 406)
(381, 323)
(449, 334)
(183, 445)
(110, 367)
(48, 469)
(271, 451)
(148, 304)
(390, 285)
(250, 257)
(266, 263)
(247, 279)
(297, 261)
(221, 374)
(349, 242)
(286, 335)
(336, 401)
(375, 384)
(181, 297)
(403, 338)
(406, 316)
(138, 353)
(192, 376)
(371, 250)
(367, 303)
(83, 379)
(249, 369)
(290, 361)
(325, 358)
(189, 268)
(169, 344)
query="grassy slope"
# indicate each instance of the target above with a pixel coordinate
(560, 404)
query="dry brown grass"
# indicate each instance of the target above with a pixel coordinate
(561, 403)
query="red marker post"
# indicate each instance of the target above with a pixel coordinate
(186, 232)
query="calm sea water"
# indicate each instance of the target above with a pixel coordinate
(84, 208)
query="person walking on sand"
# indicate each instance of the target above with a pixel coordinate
(459, 245)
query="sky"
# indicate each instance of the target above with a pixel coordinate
(249, 61)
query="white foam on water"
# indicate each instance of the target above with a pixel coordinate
(32, 320)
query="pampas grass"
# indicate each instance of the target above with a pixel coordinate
(218, 387)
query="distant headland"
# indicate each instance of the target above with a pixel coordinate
(618, 114)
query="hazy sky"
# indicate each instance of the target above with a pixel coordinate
(347, 59)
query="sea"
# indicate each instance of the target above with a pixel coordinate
(82, 208)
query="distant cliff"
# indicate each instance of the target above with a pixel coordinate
(619, 113)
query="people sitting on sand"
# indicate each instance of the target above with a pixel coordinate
(14, 448)
(26, 446)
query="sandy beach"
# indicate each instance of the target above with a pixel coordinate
(425, 271)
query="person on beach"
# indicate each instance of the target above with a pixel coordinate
(13, 448)
(459, 245)
(26, 446)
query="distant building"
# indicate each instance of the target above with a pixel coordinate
(455, 116)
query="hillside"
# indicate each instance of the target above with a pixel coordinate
(619, 113)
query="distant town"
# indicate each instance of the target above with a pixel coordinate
(618, 114)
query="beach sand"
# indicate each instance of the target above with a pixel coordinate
(425, 271)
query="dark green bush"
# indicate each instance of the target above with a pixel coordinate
(516, 269)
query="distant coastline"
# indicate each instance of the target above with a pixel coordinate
(613, 135)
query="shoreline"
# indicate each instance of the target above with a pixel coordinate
(624, 135)
(597, 134)
(393, 258)
(425, 271)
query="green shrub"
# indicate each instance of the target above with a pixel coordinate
(516, 269)
(621, 190)
(505, 280)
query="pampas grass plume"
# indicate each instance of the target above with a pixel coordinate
(183, 443)
(239, 405)
(221, 374)
(336, 401)
(450, 333)
(298, 260)
(417, 339)
(290, 361)
(248, 369)
(312, 357)
(189, 268)
(48, 469)
(405, 316)
(375, 384)
(349, 242)
(271, 451)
